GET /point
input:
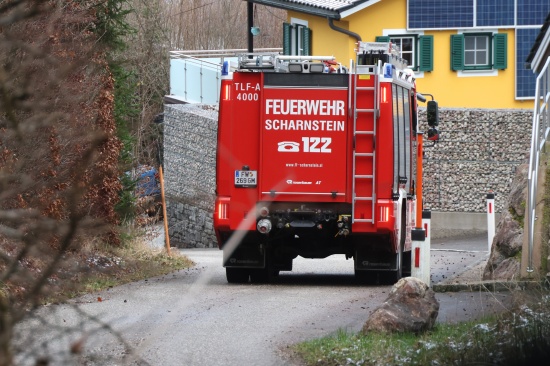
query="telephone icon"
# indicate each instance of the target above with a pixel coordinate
(288, 146)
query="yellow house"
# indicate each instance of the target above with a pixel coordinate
(467, 53)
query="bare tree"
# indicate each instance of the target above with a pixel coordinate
(160, 26)
(59, 154)
(146, 59)
(220, 24)
(58, 151)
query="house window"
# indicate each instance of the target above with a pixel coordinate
(417, 50)
(407, 48)
(478, 51)
(296, 39)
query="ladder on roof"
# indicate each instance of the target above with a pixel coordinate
(366, 111)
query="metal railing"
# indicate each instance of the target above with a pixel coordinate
(195, 76)
(541, 129)
(217, 53)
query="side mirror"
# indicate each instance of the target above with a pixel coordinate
(432, 113)
(433, 134)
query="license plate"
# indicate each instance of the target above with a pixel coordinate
(246, 178)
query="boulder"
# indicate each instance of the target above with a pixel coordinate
(508, 270)
(504, 262)
(410, 307)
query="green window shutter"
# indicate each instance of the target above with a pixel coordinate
(286, 39)
(500, 48)
(306, 41)
(457, 52)
(382, 39)
(426, 53)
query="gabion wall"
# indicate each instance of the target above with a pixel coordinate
(478, 152)
(190, 134)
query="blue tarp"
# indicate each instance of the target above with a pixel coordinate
(148, 183)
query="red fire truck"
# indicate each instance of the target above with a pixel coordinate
(316, 159)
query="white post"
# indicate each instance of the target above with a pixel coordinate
(427, 247)
(420, 256)
(490, 219)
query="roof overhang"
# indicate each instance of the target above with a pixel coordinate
(326, 9)
(541, 48)
(301, 8)
(542, 54)
(357, 8)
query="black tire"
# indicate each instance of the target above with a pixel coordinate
(237, 275)
(407, 265)
(366, 277)
(267, 274)
(263, 275)
(259, 275)
(391, 277)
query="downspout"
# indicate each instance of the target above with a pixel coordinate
(342, 30)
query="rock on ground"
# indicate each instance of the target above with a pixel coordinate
(503, 263)
(410, 307)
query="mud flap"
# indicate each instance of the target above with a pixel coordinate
(245, 256)
(376, 262)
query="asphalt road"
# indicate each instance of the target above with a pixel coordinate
(194, 317)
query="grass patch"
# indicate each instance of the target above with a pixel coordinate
(518, 338)
(136, 265)
(100, 267)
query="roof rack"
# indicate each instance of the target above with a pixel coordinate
(253, 61)
(369, 52)
(287, 63)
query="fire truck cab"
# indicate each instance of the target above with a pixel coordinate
(315, 159)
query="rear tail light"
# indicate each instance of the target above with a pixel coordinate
(384, 97)
(222, 210)
(226, 95)
(384, 213)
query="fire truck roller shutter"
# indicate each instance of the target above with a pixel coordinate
(402, 133)
(306, 80)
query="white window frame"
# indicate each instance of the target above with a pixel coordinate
(296, 48)
(401, 33)
(477, 73)
(414, 40)
(478, 47)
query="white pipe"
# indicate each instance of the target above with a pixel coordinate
(540, 109)
(306, 58)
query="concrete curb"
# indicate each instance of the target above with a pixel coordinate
(469, 280)
(489, 286)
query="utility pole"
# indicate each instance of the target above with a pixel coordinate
(250, 14)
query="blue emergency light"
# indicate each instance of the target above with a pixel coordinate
(225, 68)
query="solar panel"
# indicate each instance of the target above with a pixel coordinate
(532, 12)
(429, 14)
(525, 78)
(495, 13)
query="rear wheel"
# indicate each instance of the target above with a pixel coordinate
(237, 275)
(259, 275)
(266, 274)
(391, 277)
(366, 277)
